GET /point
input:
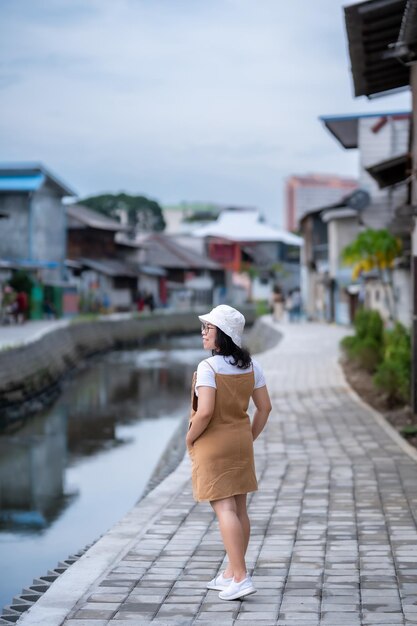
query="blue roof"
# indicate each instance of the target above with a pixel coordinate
(27, 177)
(18, 182)
(29, 263)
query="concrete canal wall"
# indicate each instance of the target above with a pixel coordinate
(30, 373)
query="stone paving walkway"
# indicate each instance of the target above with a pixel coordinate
(334, 534)
(20, 334)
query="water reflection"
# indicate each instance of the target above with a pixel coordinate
(32, 464)
(69, 473)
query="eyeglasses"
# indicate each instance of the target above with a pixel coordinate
(205, 328)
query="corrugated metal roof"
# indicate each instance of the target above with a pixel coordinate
(162, 251)
(18, 171)
(87, 217)
(109, 267)
(245, 226)
(19, 182)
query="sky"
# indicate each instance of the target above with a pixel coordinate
(180, 100)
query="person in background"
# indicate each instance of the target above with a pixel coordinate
(49, 311)
(296, 305)
(9, 310)
(22, 303)
(278, 303)
(220, 439)
(150, 301)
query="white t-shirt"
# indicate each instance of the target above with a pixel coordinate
(222, 365)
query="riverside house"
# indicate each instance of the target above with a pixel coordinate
(328, 290)
(104, 280)
(188, 277)
(255, 254)
(382, 140)
(32, 231)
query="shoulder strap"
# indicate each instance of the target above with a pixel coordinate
(211, 366)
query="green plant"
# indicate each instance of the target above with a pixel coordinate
(21, 281)
(393, 374)
(374, 250)
(348, 345)
(367, 353)
(369, 323)
(410, 430)
(85, 317)
(262, 307)
(366, 346)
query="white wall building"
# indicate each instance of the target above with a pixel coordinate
(383, 143)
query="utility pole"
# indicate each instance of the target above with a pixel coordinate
(413, 83)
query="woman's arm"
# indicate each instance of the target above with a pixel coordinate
(203, 415)
(263, 406)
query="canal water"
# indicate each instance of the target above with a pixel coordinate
(71, 472)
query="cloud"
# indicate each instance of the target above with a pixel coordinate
(179, 99)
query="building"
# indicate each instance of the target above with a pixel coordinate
(328, 291)
(382, 140)
(382, 37)
(33, 234)
(174, 274)
(304, 193)
(180, 219)
(105, 282)
(248, 247)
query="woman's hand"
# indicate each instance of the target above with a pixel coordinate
(202, 417)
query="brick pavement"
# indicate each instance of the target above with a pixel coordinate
(334, 535)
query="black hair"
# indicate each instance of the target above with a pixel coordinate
(227, 347)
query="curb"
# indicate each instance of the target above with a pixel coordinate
(380, 420)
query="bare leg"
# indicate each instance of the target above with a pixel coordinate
(242, 514)
(232, 534)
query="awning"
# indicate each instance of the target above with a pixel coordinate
(152, 270)
(391, 171)
(373, 28)
(344, 128)
(27, 264)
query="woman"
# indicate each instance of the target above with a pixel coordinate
(220, 439)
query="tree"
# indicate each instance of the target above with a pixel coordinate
(142, 214)
(375, 250)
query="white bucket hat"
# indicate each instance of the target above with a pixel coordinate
(228, 319)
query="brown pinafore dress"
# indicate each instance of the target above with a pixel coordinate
(222, 456)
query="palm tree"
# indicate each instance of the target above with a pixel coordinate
(375, 250)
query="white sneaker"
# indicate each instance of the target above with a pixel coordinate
(238, 590)
(219, 583)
